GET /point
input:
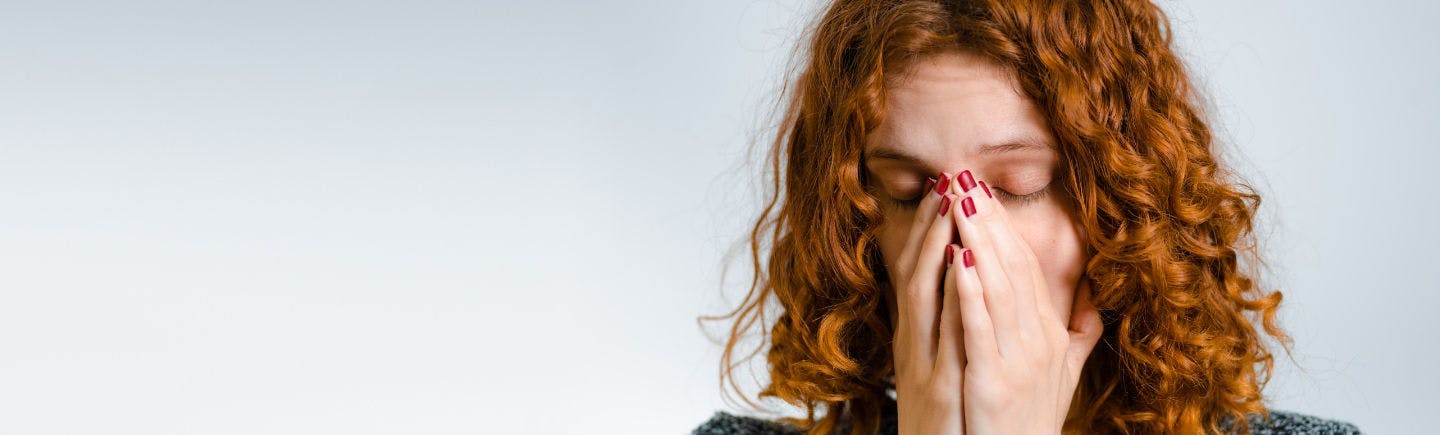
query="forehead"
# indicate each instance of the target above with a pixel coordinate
(954, 105)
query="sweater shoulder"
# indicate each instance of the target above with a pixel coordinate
(724, 423)
(1283, 422)
(1280, 422)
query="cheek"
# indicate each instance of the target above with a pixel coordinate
(1055, 239)
(893, 234)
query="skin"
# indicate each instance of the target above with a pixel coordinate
(997, 346)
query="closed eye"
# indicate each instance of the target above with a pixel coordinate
(1001, 194)
(910, 203)
(1020, 200)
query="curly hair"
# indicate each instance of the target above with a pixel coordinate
(1165, 224)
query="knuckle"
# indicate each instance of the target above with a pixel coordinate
(915, 292)
(920, 221)
(969, 289)
(903, 267)
(985, 216)
(967, 293)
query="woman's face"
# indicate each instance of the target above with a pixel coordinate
(959, 111)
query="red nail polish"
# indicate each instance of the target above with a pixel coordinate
(929, 183)
(968, 258)
(967, 181)
(945, 205)
(949, 254)
(987, 189)
(943, 184)
(968, 206)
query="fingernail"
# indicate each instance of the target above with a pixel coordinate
(949, 254)
(968, 258)
(987, 189)
(929, 183)
(945, 205)
(968, 206)
(967, 181)
(943, 184)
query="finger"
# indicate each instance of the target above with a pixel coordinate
(905, 264)
(923, 285)
(920, 224)
(993, 278)
(1004, 213)
(1020, 265)
(1085, 326)
(1043, 301)
(950, 352)
(977, 329)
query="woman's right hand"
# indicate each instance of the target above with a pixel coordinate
(928, 350)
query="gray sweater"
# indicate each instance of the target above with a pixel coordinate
(1281, 422)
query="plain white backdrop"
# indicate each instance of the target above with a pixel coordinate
(454, 217)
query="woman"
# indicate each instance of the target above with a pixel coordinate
(975, 194)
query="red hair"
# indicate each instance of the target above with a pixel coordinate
(1165, 224)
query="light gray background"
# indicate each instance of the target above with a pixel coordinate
(457, 217)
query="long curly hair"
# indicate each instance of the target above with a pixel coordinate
(1166, 225)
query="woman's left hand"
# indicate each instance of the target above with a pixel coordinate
(1024, 361)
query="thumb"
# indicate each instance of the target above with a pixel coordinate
(1085, 326)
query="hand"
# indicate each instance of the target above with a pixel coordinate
(927, 350)
(1023, 361)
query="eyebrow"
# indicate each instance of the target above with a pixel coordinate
(1024, 144)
